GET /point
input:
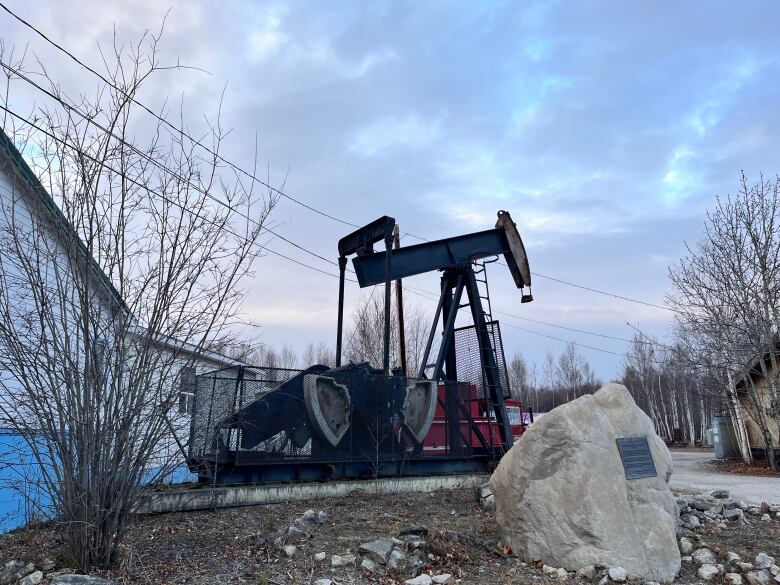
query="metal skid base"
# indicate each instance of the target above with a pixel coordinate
(319, 472)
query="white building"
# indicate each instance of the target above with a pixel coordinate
(47, 278)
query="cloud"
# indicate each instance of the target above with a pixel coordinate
(605, 128)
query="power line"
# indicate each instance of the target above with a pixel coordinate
(90, 120)
(601, 292)
(260, 181)
(169, 124)
(154, 191)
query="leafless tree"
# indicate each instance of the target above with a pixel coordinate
(105, 298)
(727, 296)
(365, 342)
(318, 353)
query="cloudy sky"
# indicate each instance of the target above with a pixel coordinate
(605, 128)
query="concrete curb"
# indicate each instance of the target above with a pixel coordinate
(207, 498)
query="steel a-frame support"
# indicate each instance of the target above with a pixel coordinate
(454, 281)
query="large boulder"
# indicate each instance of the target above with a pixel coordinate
(562, 496)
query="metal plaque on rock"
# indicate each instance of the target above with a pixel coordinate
(636, 456)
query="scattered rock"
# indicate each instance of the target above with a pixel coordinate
(320, 556)
(46, 565)
(704, 556)
(79, 580)
(617, 574)
(13, 571)
(775, 570)
(562, 469)
(720, 494)
(588, 572)
(370, 566)
(707, 572)
(397, 559)
(732, 579)
(342, 560)
(745, 567)
(760, 577)
(418, 530)
(323, 582)
(486, 499)
(416, 544)
(444, 578)
(733, 514)
(322, 517)
(686, 546)
(289, 550)
(377, 550)
(689, 521)
(32, 579)
(732, 557)
(420, 580)
(764, 561)
(765, 517)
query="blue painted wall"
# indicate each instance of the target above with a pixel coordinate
(22, 496)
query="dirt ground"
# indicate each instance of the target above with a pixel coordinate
(236, 545)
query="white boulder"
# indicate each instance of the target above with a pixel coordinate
(562, 496)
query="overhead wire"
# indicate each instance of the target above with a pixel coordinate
(152, 190)
(162, 119)
(283, 194)
(251, 175)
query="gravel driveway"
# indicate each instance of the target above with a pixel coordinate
(691, 472)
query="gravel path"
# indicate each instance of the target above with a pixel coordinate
(692, 472)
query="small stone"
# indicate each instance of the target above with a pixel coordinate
(416, 544)
(397, 559)
(322, 517)
(732, 579)
(733, 514)
(79, 580)
(686, 546)
(704, 556)
(765, 517)
(562, 573)
(419, 580)
(323, 582)
(418, 530)
(742, 505)
(587, 572)
(342, 561)
(32, 579)
(289, 550)
(444, 579)
(707, 572)
(604, 580)
(720, 494)
(745, 567)
(548, 570)
(764, 561)
(775, 570)
(617, 574)
(46, 565)
(689, 521)
(760, 577)
(732, 557)
(320, 556)
(370, 566)
(377, 550)
(686, 558)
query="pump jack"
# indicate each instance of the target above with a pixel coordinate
(385, 415)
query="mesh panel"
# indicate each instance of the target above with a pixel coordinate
(469, 361)
(265, 416)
